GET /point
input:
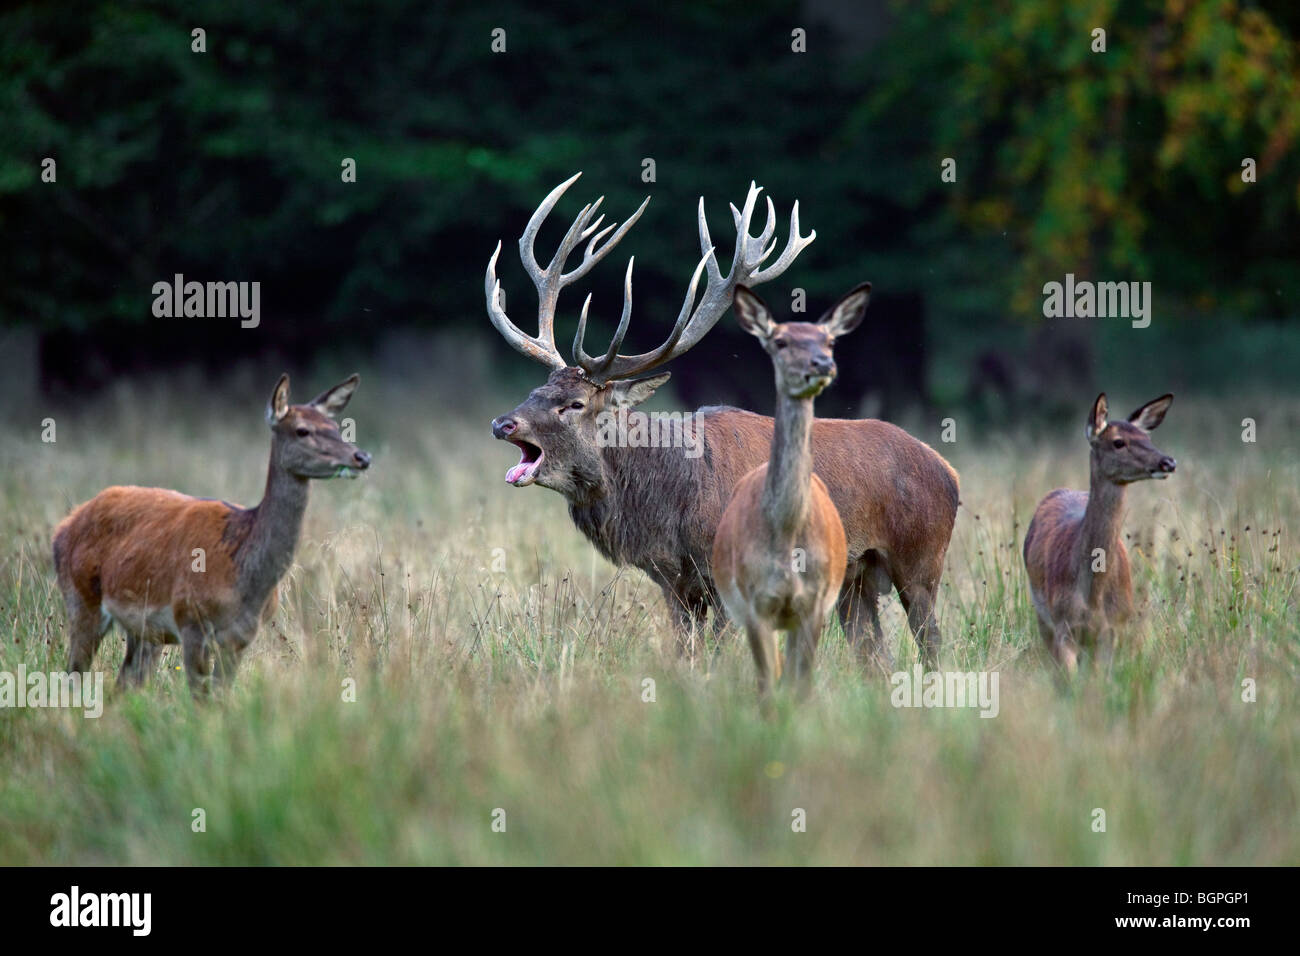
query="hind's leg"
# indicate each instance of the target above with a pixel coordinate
(1105, 653)
(86, 628)
(802, 651)
(1065, 649)
(767, 657)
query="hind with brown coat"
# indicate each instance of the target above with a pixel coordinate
(170, 568)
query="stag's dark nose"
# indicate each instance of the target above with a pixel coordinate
(362, 459)
(1167, 464)
(504, 426)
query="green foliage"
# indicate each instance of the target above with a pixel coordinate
(226, 164)
(1124, 163)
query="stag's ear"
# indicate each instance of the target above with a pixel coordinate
(334, 400)
(1097, 418)
(278, 406)
(845, 315)
(626, 392)
(752, 313)
(1152, 413)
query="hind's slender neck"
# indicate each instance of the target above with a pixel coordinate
(267, 552)
(1103, 520)
(787, 490)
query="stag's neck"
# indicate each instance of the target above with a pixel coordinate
(788, 488)
(640, 508)
(266, 553)
(1103, 520)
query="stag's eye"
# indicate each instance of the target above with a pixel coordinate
(303, 432)
(780, 343)
(577, 406)
(1118, 443)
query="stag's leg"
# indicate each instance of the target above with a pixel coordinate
(681, 618)
(86, 629)
(197, 653)
(228, 650)
(918, 600)
(148, 660)
(138, 664)
(130, 675)
(689, 607)
(858, 611)
(713, 602)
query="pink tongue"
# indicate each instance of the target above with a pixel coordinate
(515, 473)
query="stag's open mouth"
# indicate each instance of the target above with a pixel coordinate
(530, 459)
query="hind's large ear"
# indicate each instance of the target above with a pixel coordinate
(333, 400)
(753, 313)
(845, 315)
(1152, 413)
(278, 406)
(1097, 417)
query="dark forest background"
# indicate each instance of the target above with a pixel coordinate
(225, 165)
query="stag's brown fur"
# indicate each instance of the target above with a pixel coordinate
(658, 510)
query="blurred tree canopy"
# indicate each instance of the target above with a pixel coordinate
(226, 164)
(1127, 162)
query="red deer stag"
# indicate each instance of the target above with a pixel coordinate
(1078, 566)
(780, 553)
(657, 508)
(171, 569)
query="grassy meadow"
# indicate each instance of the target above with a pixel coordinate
(499, 663)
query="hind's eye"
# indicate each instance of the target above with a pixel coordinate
(577, 406)
(303, 432)
(1118, 443)
(780, 343)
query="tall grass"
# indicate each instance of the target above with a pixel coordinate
(499, 663)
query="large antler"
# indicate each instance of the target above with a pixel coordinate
(693, 321)
(553, 278)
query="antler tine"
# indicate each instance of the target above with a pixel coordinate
(706, 246)
(761, 244)
(614, 365)
(535, 224)
(594, 255)
(741, 260)
(592, 366)
(769, 229)
(793, 246)
(694, 321)
(538, 349)
(586, 227)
